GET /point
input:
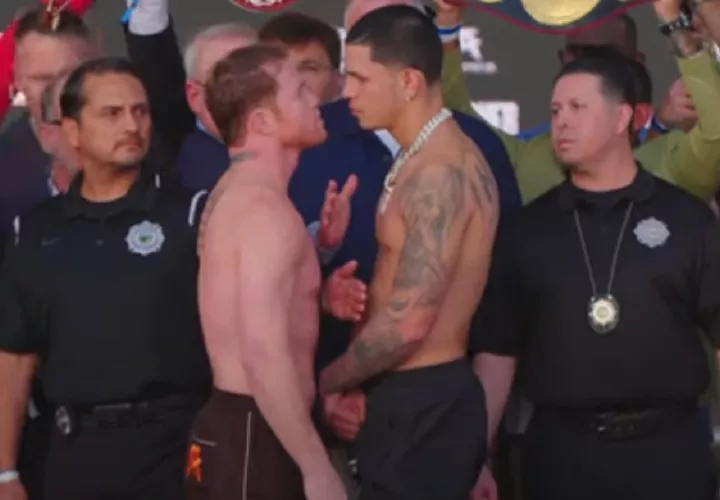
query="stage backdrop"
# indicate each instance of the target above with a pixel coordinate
(509, 70)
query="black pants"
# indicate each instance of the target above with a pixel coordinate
(425, 435)
(33, 445)
(33, 449)
(143, 462)
(506, 467)
(565, 462)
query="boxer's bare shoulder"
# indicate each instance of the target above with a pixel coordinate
(461, 160)
(436, 238)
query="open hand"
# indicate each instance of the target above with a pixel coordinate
(335, 214)
(344, 296)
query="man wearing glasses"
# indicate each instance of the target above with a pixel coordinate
(315, 48)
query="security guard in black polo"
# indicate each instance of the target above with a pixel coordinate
(98, 293)
(598, 292)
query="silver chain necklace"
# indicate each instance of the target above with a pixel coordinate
(603, 309)
(402, 159)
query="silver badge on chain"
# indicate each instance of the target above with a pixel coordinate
(603, 313)
(603, 309)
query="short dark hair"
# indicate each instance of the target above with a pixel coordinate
(401, 35)
(39, 20)
(294, 28)
(580, 51)
(616, 77)
(73, 98)
(239, 84)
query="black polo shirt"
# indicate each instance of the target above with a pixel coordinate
(105, 294)
(667, 285)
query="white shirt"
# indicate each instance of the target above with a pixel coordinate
(389, 141)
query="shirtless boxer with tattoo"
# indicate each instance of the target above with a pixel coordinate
(258, 293)
(425, 430)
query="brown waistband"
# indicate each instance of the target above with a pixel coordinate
(233, 401)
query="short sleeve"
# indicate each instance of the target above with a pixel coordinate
(498, 325)
(16, 334)
(197, 207)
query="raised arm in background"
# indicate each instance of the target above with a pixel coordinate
(690, 160)
(152, 46)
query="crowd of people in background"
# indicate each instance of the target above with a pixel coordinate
(274, 265)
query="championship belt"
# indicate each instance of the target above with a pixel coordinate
(554, 16)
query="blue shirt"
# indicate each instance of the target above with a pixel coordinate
(23, 171)
(351, 150)
(201, 161)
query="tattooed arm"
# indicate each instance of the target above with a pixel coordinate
(434, 218)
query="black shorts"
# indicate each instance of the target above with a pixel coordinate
(234, 455)
(425, 436)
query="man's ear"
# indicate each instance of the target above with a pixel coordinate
(71, 131)
(262, 121)
(411, 82)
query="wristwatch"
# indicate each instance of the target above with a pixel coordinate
(682, 22)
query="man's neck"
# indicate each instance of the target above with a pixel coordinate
(613, 171)
(414, 118)
(270, 164)
(107, 184)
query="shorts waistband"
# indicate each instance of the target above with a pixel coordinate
(434, 379)
(233, 401)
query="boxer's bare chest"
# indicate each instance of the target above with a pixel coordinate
(304, 313)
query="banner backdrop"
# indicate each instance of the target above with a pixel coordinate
(509, 69)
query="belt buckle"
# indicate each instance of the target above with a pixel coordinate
(603, 426)
(63, 421)
(614, 428)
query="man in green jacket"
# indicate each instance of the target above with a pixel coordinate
(690, 160)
